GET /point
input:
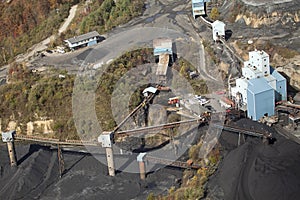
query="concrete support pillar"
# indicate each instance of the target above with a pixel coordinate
(110, 161)
(142, 167)
(61, 163)
(8, 137)
(243, 138)
(142, 170)
(12, 154)
(264, 139)
(106, 139)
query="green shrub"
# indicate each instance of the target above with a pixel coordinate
(194, 152)
(151, 196)
(215, 14)
(32, 23)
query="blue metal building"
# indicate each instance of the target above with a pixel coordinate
(260, 99)
(281, 90)
(259, 87)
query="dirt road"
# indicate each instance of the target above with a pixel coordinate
(71, 16)
(44, 44)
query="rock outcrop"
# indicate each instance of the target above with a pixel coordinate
(271, 25)
(31, 128)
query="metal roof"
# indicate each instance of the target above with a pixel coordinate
(269, 78)
(162, 46)
(261, 53)
(200, 1)
(254, 70)
(8, 136)
(163, 65)
(150, 89)
(83, 37)
(197, 5)
(258, 85)
(218, 23)
(276, 74)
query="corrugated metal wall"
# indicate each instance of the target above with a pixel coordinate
(281, 89)
(260, 104)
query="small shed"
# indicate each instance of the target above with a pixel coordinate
(218, 28)
(198, 7)
(8, 136)
(162, 46)
(149, 90)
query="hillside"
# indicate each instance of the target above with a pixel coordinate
(24, 24)
(41, 102)
(33, 96)
(104, 15)
(38, 100)
(273, 26)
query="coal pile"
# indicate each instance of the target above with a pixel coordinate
(257, 170)
(37, 177)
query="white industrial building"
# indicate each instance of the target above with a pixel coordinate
(198, 7)
(259, 87)
(218, 28)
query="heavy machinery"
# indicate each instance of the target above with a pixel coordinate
(173, 100)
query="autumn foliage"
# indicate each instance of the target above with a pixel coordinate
(24, 23)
